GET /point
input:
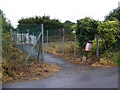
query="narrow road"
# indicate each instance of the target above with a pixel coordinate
(73, 76)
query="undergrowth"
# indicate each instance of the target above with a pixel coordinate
(14, 69)
(105, 59)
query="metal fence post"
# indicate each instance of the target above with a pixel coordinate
(33, 48)
(63, 43)
(21, 38)
(1, 46)
(11, 33)
(75, 48)
(1, 41)
(47, 37)
(42, 44)
(97, 45)
(16, 38)
(29, 39)
(39, 49)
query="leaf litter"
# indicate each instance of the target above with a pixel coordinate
(34, 71)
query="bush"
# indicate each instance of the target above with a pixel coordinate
(85, 30)
(109, 32)
(113, 56)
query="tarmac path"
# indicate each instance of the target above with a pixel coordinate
(72, 76)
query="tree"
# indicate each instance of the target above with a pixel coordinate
(115, 14)
(68, 26)
(37, 20)
(85, 30)
(6, 24)
(109, 32)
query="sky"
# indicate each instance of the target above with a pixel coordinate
(63, 10)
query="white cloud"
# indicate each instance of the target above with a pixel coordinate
(60, 9)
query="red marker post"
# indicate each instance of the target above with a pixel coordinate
(87, 49)
(88, 46)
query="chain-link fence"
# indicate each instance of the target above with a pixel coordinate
(61, 41)
(30, 41)
(64, 42)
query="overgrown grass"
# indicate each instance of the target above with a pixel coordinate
(56, 48)
(106, 58)
(14, 69)
(106, 53)
(114, 56)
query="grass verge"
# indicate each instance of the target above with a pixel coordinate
(13, 68)
(103, 60)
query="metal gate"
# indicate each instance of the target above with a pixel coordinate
(31, 41)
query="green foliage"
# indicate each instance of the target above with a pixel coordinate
(114, 56)
(85, 30)
(100, 45)
(109, 32)
(6, 25)
(68, 26)
(49, 24)
(115, 14)
(74, 27)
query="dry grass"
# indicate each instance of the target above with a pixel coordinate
(104, 62)
(55, 48)
(13, 68)
(33, 71)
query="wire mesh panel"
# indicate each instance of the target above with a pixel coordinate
(58, 41)
(29, 41)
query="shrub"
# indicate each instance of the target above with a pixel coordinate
(109, 32)
(85, 30)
